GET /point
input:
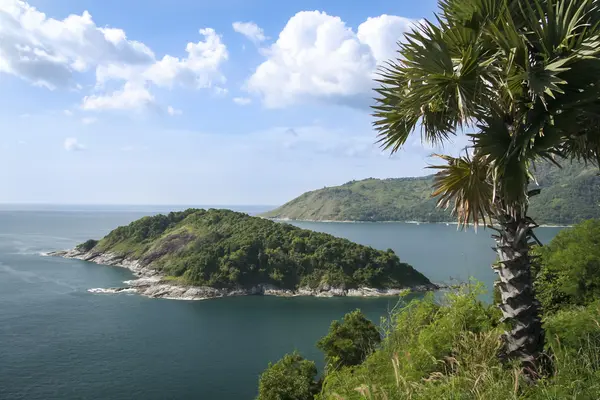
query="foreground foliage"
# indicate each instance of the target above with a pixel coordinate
(291, 378)
(569, 272)
(222, 248)
(449, 351)
(350, 341)
(569, 195)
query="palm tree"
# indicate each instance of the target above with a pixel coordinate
(523, 76)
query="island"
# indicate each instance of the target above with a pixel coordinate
(199, 254)
(569, 195)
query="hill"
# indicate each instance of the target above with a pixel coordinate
(229, 250)
(569, 195)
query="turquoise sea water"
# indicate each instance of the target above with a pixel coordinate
(57, 341)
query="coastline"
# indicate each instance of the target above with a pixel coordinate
(150, 283)
(328, 221)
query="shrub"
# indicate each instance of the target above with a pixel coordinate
(569, 272)
(88, 245)
(349, 342)
(574, 327)
(449, 351)
(291, 378)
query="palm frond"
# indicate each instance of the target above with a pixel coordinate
(463, 181)
(442, 81)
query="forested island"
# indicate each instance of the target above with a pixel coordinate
(568, 195)
(197, 254)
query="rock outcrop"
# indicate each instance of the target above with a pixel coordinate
(151, 283)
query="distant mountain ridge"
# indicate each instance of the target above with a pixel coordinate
(569, 195)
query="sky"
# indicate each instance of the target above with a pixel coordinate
(195, 102)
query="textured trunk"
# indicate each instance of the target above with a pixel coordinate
(525, 340)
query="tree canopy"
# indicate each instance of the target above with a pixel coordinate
(291, 378)
(350, 341)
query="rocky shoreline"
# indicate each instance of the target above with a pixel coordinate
(150, 283)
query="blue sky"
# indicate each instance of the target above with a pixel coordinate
(194, 102)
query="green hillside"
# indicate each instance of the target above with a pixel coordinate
(569, 195)
(227, 249)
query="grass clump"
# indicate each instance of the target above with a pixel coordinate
(449, 351)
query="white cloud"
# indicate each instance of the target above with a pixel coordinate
(49, 52)
(131, 97)
(72, 144)
(54, 53)
(199, 69)
(221, 91)
(318, 57)
(173, 111)
(250, 30)
(382, 34)
(68, 113)
(88, 120)
(242, 101)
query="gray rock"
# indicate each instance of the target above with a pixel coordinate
(151, 283)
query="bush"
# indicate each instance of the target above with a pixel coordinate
(291, 378)
(569, 273)
(349, 342)
(449, 351)
(574, 327)
(88, 245)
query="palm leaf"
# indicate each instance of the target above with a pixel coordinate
(463, 182)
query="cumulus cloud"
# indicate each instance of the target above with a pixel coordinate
(54, 53)
(199, 69)
(49, 52)
(68, 113)
(382, 34)
(318, 57)
(72, 144)
(131, 97)
(173, 111)
(250, 30)
(242, 101)
(88, 120)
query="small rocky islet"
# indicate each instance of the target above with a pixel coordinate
(201, 254)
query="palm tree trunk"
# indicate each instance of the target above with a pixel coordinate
(525, 340)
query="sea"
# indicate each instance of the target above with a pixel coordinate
(59, 341)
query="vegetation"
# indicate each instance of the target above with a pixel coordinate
(87, 245)
(448, 350)
(349, 342)
(568, 195)
(522, 76)
(569, 272)
(226, 249)
(291, 378)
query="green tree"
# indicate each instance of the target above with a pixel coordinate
(349, 342)
(570, 268)
(291, 378)
(522, 76)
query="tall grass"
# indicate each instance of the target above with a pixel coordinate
(449, 351)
